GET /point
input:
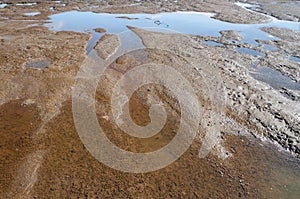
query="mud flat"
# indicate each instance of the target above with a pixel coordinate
(249, 84)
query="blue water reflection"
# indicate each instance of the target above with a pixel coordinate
(185, 22)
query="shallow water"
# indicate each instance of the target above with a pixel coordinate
(274, 78)
(26, 4)
(250, 52)
(246, 5)
(3, 5)
(256, 167)
(39, 64)
(32, 13)
(185, 22)
(295, 59)
(270, 47)
(212, 43)
(284, 174)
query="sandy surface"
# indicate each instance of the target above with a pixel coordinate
(42, 155)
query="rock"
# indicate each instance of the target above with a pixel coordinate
(107, 45)
(125, 59)
(100, 30)
(128, 18)
(28, 102)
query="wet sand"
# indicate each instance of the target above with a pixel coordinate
(255, 169)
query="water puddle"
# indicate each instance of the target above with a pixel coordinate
(294, 59)
(270, 47)
(212, 43)
(255, 8)
(194, 23)
(250, 52)
(31, 14)
(246, 5)
(284, 176)
(26, 4)
(3, 5)
(232, 41)
(40, 64)
(274, 78)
